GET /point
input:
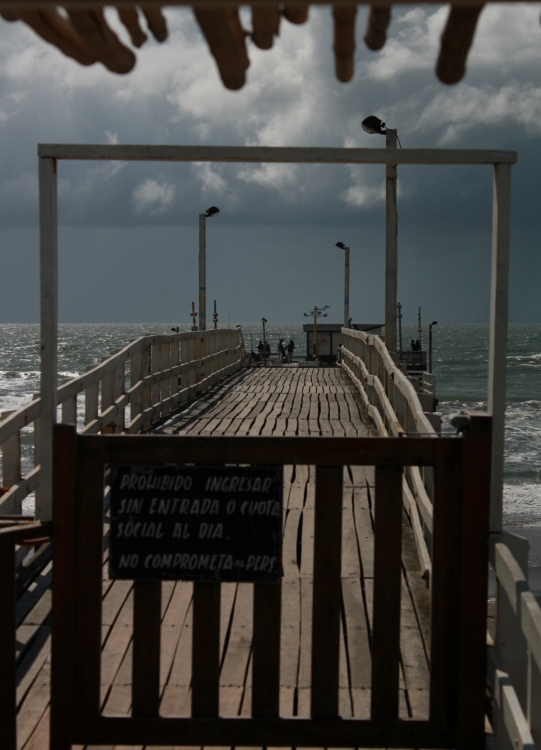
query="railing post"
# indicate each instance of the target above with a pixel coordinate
(11, 460)
(497, 357)
(156, 366)
(107, 395)
(92, 397)
(145, 370)
(8, 712)
(48, 221)
(136, 374)
(69, 411)
(165, 364)
(173, 382)
(119, 388)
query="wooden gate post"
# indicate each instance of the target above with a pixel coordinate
(48, 226)
(64, 437)
(474, 583)
(8, 713)
(497, 356)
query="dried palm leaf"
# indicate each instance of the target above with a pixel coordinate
(53, 28)
(101, 40)
(227, 42)
(456, 41)
(376, 28)
(156, 22)
(296, 13)
(266, 24)
(130, 18)
(344, 40)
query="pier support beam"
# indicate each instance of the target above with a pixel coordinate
(391, 247)
(49, 324)
(497, 358)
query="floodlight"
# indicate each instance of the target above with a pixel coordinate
(373, 125)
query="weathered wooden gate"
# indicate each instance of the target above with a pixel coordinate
(459, 588)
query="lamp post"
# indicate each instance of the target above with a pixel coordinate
(346, 283)
(193, 315)
(215, 316)
(434, 323)
(399, 316)
(317, 312)
(264, 320)
(374, 125)
(212, 211)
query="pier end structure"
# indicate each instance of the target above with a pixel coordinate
(501, 161)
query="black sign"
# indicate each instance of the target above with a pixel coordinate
(196, 523)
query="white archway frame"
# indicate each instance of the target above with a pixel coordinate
(49, 154)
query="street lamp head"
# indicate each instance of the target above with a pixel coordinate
(212, 211)
(434, 323)
(341, 246)
(306, 315)
(373, 125)
(264, 320)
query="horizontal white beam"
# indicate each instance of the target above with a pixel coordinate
(259, 154)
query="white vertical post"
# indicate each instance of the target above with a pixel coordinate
(202, 273)
(391, 247)
(346, 289)
(48, 220)
(497, 356)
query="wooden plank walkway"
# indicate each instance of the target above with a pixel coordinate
(256, 401)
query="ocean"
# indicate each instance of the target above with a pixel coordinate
(460, 365)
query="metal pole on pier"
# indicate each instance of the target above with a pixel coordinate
(215, 316)
(434, 323)
(193, 315)
(202, 272)
(375, 126)
(264, 320)
(212, 211)
(399, 316)
(316, 313)
(346, 283)
(391, 247)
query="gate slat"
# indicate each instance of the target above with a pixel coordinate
(88, 588)
(387, 572)
(64, 555)
(206, 649)
(327, 591)
(446, 544)
(147, 597)
(474, 581)
(266, 649)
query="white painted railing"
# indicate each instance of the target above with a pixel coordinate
(395, 407)
(514, 657)
(164, 372)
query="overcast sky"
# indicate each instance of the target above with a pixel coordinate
(128, 232)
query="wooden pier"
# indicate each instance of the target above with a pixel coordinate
(256, 401)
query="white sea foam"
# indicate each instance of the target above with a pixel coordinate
(523, 500)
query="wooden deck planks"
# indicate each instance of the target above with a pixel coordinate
(262, 401)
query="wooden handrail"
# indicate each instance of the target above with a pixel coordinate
(155, 389)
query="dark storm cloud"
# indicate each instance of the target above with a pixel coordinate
(291, 98)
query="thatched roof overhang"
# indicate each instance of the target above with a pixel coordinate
(80, 30)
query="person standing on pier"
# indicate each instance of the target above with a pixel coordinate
(290, 350)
